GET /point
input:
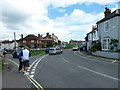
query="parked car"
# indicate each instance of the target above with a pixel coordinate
(59, 50)
(55, 51)
(35, 49)
(15, 54)
(75, 48)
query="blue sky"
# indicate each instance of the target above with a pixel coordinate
(67, 19)
(88, 8)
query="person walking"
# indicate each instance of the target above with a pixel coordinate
(26, 55)
(20, 59)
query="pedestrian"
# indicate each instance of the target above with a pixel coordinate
(4, 53)
(26, 55)
(20, 59)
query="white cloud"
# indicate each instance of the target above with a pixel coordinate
(65, 3)
(62, 10)
(31, 17)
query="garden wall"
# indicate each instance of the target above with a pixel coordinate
(113, 55)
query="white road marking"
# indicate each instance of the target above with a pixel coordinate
(114, 61)
(82, 56)
(33, 69)
(32, 76)
(32, 72)
(99, 73)
(35, 65)
(65, 60)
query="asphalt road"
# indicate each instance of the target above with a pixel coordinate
(72, 70)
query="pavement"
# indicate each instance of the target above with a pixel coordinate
(87, 54)
(11, 78)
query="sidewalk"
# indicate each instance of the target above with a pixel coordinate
(87, 54)
(11, 78)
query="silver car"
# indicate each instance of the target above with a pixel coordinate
(55, 51)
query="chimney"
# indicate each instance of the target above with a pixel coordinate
(47, 34)
(107, 12)
(22, 36)
(52, 33)
(39, 36)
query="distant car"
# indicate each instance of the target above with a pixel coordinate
(55, 51)
(75, 48)
(15, 54)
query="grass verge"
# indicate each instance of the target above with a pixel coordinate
(33, 53)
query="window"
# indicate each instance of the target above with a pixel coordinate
(107, 26)
(105, 44)
(32, 41)
(24, 41)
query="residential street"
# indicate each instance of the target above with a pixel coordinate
(72, 70)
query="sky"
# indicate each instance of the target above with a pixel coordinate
(67, 19)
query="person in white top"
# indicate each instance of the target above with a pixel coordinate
(26, 55)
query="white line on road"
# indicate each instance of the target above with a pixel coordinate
(32, 76)
(33, 69)
(65, 60)
(35, 65)
(114, 61)
(99, 73)
(32, 72)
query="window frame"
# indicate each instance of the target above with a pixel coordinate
(106, 44)
(24, 41)
(32, 41)
(106, 26)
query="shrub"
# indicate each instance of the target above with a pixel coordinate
(118, 50)
(93, 49)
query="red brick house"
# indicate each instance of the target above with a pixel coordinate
(75, 42)
(47, 39)
(36, 41)
(31, 41)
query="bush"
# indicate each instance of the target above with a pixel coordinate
(93, 49)
(118, 50)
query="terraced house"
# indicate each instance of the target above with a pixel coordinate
(109, 29)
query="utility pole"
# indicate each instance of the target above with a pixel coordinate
(14, 40)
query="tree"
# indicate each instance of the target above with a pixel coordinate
(59, 42)
(49, 44)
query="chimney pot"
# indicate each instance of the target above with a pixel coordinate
(107, 12)
(22, 36)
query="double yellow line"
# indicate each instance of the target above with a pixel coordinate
(33, 81)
